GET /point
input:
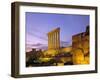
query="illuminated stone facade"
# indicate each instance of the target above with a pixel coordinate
(80, 47)
(54, 39)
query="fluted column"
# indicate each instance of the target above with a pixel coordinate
(58, 39)
(54, 39)
(50, 41)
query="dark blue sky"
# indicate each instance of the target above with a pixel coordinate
(39, 24)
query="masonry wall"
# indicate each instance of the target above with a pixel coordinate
(80, 47)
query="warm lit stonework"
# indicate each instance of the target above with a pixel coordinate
(80, 47)
(54, 39)
(57, 55)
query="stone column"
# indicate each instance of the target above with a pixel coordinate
(58, 40)
(50, 41)
(54, 39)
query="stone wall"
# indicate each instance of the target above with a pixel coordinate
(80, 47)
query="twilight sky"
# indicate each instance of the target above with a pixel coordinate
(39, 24)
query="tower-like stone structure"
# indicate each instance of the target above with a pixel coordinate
(54, 39)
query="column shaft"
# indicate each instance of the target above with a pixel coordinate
(55, 39)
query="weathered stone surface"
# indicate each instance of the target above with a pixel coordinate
(54, 39)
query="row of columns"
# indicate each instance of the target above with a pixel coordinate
(54, 39)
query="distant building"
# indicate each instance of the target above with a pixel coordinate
(33, 54)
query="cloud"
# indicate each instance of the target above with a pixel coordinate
(64, 44)
(37, 46)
